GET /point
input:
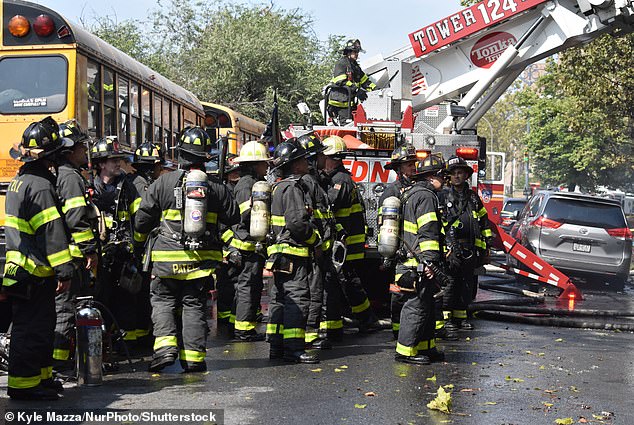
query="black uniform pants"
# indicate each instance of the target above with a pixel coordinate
(354, 292)
(316, 285)
(226, 281)
(168, 296)
(248, 292)
(459, 290)
(32, 334)
(417, 320)
(65, 309)
(289, 305)
(332, 310)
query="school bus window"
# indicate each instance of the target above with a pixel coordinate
(34, 84)
(93, 80)
(109, 110)
(156, 102)
(189, 117)
(124, 109)
(175, 118)
(135, 119)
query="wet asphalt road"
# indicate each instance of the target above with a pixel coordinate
(500, 373)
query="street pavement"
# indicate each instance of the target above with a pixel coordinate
(499, 373)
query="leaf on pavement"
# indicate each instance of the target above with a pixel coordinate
(508, 378)
(433, 378)
(338, 370)
(370, 394)
(442, 402)
(316, 370)
(564, 421)
(360, 406)
(549, 405)
(469, 390)
(403, 374)
(448, 387)
(559, 340)
(490, 403)
(573, 389)
(343, 367)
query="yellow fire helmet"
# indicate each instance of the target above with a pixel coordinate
(253, 151)
(335, 146)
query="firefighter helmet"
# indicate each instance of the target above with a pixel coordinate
(353, 46)
(335, 146)
(312, 143)
(148, 153)
(231, 165)
(456, 162)
(434, 164)
(70, 130)
(195, 141)
(287, 152)
(404, 153)
(253, 151)
(107, 148)
(39, 140)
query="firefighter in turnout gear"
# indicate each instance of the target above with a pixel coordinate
(294, 240)
(82, 221)
(187, 208)
(323, 219)
(347, 208)
(38, 262)
(403, 162)
(248, 256)
(423, 244)
(113, 195)
(349, 84)
(147, 163)
(468, 233)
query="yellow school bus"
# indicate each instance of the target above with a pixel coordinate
(50, 66)
(222, 121)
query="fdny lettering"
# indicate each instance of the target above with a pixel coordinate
(466, 22)
(14, 186)
(369, 171)
(184, 268)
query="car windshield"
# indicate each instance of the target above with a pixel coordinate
(33, 84)
(585, 213)
(512, 206)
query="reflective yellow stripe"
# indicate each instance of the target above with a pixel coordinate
(44, 217)
(338, 78)
(352, 257)
(361, 307)
(406, 351)
(429, 246)
(278, 220)
(355, 239)
(19, 224)
(440, 324)
(426, 218)
(331, 324)
(19, 382)
(338, 104)
(174, 215)
(123, 215)
(312, 238)
(244, 326)
(16, 257)
(134, 206)
(192, 356)
(46, 372)
(410, 227)
(76, 202)
(459, 314)
(322, 215)
(310, 336)
(326, 245)
(285, 248)
(486, 233)
(274, 328)
(245, 206)
(242, 245)
(396, 326)
(194, 255)
(192, 275)
(211, 218)
(59, 354)
(228, 234)
(480, 243)
(481, 213)
(412, 262)
(224, 314)
(83, 236)
(142, 332)
(343, 212)
(363, 79)
(355, 208)
(75, 252)
(426, 345)
(294, 333)
(140, 237)
(446, 314)
(108, 221)
(165, 341)
(130, 335)
(59, 258)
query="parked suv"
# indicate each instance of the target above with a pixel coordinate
(580, 235)
(510, 212)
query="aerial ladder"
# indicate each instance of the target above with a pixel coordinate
(468, 60)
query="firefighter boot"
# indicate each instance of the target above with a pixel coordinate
(433, 354)
(448, 332)
(463, 324)
(38, 393)
(160, 362)
(419, 359)
(319, 344)
(248, 336)
(276, 352)
(52, 384)
(300, 357)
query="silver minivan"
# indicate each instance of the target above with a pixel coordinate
(581, 235)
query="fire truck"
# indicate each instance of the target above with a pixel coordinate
(433, 92)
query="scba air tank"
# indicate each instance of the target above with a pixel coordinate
(390, 228)
(196, 190)
(260, 214)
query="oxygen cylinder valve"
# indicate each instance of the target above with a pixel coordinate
(195, 214)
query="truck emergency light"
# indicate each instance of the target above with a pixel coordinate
(422, 154)
(468, 153)
(19, 26)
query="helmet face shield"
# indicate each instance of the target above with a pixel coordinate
(39, 140)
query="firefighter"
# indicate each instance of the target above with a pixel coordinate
(147, 163)
(247, 257)
(227, 276)
(323, 219)
(81, 218)
(423, 242)
(347, 208)
(113, 195)
(467, 232)
(187, 207)
(403, 162)
(294, 236)
(38, 262)
(349, 84)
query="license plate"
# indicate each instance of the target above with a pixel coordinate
(581, 247)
